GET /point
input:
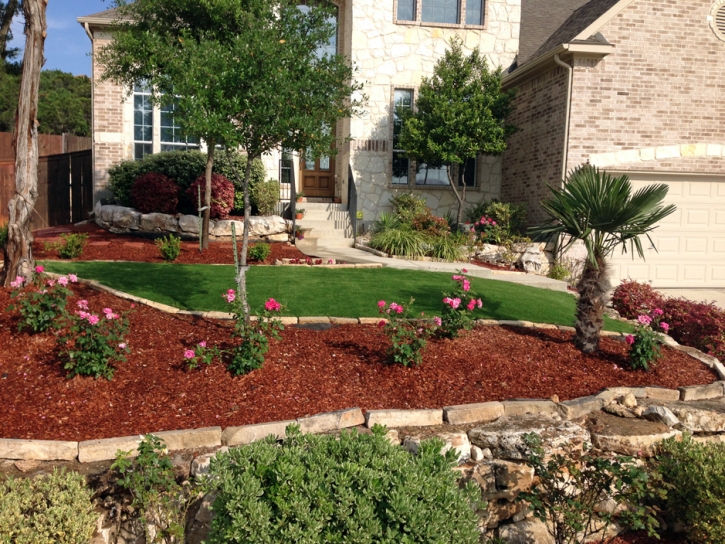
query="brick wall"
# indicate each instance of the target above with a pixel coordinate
(662, 86)
(533, 158)
(108, 148)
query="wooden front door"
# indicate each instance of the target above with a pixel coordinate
(318, 176)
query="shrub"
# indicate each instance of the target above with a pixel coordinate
(169, 247)
(570, 488)
(265, 197)
(155, 193)
(93, 343)
(400, 241)
(632, 298)
(222, 195)
(448, 248)
(695, 473)
(358, 488)
(42, 307)
(696, 324)
(53, 509)
(3, 236)
(430, 224)
(645, 342)
(558, 271)
(386, 221)
(408, 206)
(71, 246)
(201, 354)
(407, 337)
(509, 217)
(458, 307)
(121, 178)
(161, 501)
(260, 252)
(232, 166)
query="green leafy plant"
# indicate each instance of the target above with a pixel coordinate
(161, 501)
(92, 343)
(402, 241)
(450, 248)
(695, 475)
(254, 335)
(407, 206)
(458, 307)
(71, 246)
(231, 164)
(202, 354)
(558, 271)
(645, 342)
(430, 224)
(53, 509)
(569, 489)
(355, 488)
(3, 235)
(386, 221)
(265, 197)
(42, 305)
(407, 335)
(260, 252)
(300, 211)
(169, 247)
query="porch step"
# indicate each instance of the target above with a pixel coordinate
(329, 233)
(310, 242)
(322, 206)
(305, 223)
(319, 215)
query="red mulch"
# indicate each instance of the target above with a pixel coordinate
(307, 372)
(640, 537)
(106, 246)
(491, 266)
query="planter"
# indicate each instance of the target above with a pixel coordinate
(337, 200)
(301, 199)
(299, 216)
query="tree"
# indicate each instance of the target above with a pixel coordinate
(461, 111)
(246, 73)
(601, 211)
(18, 251)
(7, 13)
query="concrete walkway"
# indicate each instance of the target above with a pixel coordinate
(357, 256)
(698, 295)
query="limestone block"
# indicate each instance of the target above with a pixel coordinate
(529, 531)
(701, 392)
(705, 416)
(38, 450)
(207, 437)
(483, 412)
(277, 237)
(125, 218)
(531, 259)
(575, 408)
(631, 442)
(404, 418)
(106, 448)
(331, 421)
(266, 226)
(158, 222)
(189, 224)
(223, 227)
(612, 393)
(523, 407)
(246, 434)
(201, 464)
(659, 393)
(661, 414)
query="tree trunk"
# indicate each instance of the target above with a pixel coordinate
(10, 8)
(242, 276)
(593, 290)
(19, 253)
(207, 196)
(459, 198)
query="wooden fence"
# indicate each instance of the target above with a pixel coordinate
(48, 144)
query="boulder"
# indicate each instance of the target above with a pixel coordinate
(277, 237)
(456, 441)
(125, 219)
(505, 437)
(223, 227)
(159, 222)
(661, 414)
(189, 224)
(529, 531)
(627, 436)
(703, 416)
(266, 226)
(531, 259)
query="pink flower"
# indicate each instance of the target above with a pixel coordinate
(455, 303)
(657, 311)
(665, 326)
(107, 311)
(457, 278)
(230, 295)
(122, 345)
(51, 283)
(464, 270)
(272, 305)
(329, 261)
(39, 269)
(73, 278)
(448, 301)
(202, 344)
(629, 339)
(493, 222)
(438, 321)
(381, 304)
(111, 315)
(63, 281)
(83, 315)
(471, 305)
(189, 354)
(479, 303)
(466, 285)
(93, 319)
(644, 319)
(82, 304)
(19, 280)
(381, 323)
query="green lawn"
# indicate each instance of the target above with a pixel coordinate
(323, 292)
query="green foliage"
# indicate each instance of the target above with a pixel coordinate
(402, 241)
(169, 247)
(92, 344)
(71, 246)
(570, 487)
(695, 474)
(358, 488)
(42, 306)
(161, 501)
(407, 336)
(265, 197)
(232, 165)
(458, 307)
(260, 252)
(3, 235)
(52, 509)
(450, 248)
(254, 336)
(386, 221)
(201, 354)
(645, 347)
(509, 219)
(558, 271)
(430, 224)
(407, 206)
(64, 102)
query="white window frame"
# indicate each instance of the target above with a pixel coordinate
(189, 143)
(418, 15)
(139, 92)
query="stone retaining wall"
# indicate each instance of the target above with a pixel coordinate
(122, 220)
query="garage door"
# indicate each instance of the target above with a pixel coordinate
(690, 243)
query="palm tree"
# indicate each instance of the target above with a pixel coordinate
(600, 210)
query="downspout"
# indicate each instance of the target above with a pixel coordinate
(565, 154)
(93, 113)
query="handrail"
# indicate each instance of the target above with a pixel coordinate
(352, 201)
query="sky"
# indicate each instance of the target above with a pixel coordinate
(67, 46)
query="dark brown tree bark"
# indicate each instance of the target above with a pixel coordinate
(8, 14)
(242, 277)
(593, 289)
(207, 197)
(18, 253)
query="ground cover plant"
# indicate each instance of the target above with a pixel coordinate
(41, 304)
(71, 245)
(357, 488)
(202, 285)
(169, 247)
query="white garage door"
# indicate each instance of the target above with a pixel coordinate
(690, 243)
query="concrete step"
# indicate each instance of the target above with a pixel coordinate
(320, 224)
(329, 233)
(322, 206)
(321, 215)
(310, 243)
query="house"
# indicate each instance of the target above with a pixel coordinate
(634, 87)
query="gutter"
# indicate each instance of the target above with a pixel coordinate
(87, 26)
(570, 83)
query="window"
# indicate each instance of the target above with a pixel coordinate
(172, 137)
(143, 122)
(331, 47)
(445, 12)
(286, 164)
(403, 99)
(439, 176)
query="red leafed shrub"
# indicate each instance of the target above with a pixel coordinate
(222, 195)
(154, 192)
(632, 298)
(696, 324)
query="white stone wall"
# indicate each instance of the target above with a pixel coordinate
(388, 56)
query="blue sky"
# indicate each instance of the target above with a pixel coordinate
(67, 46)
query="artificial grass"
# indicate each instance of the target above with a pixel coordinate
(309, 291)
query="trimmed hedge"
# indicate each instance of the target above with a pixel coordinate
(155, 192)
(222, 195)
(265, 197)
(358, 488)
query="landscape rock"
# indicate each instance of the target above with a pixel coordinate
(612, 393)
(703, 416)
(627, 436)
(201, 464)
(246, 434)
(265, 226)
(223, 227)
(456, 441)
(701, 392)
(659, 393)
(523, 407)
(331, 421)
(125, 218)
(505, 437)
(473, 413)
(661, 414)
(575, 408)
(404, 418)
(26, 466)
(158, 222)
(531, 259)
(189, 224)
(629, 401)
(529, 531)
(38, 450)
(617, 410)
(476, 454)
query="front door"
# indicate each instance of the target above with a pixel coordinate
(318, 176)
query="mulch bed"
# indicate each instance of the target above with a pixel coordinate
(640, 537)
(498, 267)
(307, 372)
(106, 246)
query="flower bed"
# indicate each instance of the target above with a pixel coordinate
(306, 372)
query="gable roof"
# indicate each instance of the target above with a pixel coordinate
(546, 24)
(107, 17)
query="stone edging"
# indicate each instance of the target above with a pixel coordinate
(486, 412)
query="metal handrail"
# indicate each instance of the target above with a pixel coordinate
(352, 201)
